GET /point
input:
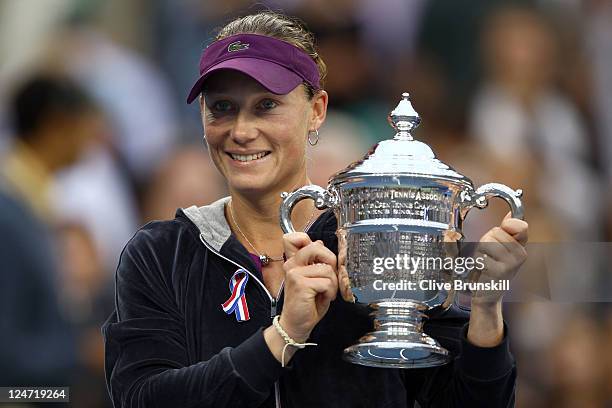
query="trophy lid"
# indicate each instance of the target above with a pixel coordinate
(402, 155)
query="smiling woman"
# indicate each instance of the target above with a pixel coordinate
(208, 314)
(257, 139)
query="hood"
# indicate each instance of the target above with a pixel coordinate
(210, 220)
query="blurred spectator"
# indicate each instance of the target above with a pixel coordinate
(137, 132)
(139, 126)
(341, 142)
(562, 355)
(447, 43)
(49, 116)
(519, 116)
(390, 27)
(95, 194)
(87, 296)
(30, 21)
(607, 354)
(350, 66)
(598, 33)
(188, 177)
(476, 162)
(577, 363)
(128, 87)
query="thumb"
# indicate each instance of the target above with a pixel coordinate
(518, 229)
(294, 241)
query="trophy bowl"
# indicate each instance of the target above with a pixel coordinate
(399, 212)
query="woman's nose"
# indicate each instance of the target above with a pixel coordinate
(243, 129)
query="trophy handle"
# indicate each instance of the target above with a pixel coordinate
(482, 195)
(323, 199)
(480, 199)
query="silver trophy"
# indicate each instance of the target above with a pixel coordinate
(397, 204)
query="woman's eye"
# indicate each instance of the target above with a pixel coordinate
(267, 104)
(222, 106)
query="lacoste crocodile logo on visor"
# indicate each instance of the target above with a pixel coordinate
(237, 46)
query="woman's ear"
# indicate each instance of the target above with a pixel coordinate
(319, 109)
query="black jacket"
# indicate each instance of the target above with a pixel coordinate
(169, 343)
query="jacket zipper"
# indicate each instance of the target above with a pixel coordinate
(273, 305)
(274, 301)
(273, 313)
(277, 394)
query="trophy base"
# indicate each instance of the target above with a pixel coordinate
(399, 340)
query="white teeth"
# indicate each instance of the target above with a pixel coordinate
(247, 157)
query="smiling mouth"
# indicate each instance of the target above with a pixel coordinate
(248, 157)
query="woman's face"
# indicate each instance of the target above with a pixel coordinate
(257, 139)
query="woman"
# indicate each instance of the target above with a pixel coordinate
(196, 296)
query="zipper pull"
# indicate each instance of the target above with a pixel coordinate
(273, 308)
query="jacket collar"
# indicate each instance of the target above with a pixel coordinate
(214, 229)
(210, 220)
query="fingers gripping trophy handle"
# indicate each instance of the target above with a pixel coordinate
(482, 195)
(323, 199)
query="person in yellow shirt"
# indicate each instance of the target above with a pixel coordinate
(50, 117)
(37, 346)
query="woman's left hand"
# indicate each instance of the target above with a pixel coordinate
(504, 247)
(504, 251)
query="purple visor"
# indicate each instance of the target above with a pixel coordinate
(277, 65)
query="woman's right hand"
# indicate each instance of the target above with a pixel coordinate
(311, 283)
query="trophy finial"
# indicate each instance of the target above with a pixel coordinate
(404, 118)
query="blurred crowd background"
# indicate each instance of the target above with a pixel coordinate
(96, 139)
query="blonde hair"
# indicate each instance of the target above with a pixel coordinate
(282, 27)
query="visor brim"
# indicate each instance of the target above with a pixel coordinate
(275, 78)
